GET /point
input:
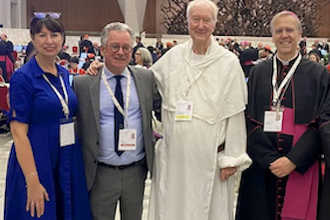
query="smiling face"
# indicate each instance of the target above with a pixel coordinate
(47, 43)
(116, 61)
(201, 23)
(286, 36)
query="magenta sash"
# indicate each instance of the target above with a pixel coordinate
(300, 201)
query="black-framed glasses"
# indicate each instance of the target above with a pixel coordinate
(42, 15)
(115, 48)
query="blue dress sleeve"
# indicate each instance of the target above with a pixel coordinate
(21, 98)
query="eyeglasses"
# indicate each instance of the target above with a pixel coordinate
(115, 48)
(42, 15)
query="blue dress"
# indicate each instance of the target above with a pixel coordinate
(60, 169)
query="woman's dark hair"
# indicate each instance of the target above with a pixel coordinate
(54, 25)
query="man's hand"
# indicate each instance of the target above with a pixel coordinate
(93, 69)
(225, 173)
(282, 167)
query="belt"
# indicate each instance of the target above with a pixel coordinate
(221, 147)
(122, 167)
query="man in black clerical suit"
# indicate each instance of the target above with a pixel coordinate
(286, 96)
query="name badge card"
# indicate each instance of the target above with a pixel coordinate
(67, 135)
(273, 121)
(184, 110)
(127, 139)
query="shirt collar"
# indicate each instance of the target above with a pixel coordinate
(287, 62)
(38, 71)
(109, 74)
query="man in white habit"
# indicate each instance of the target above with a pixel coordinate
(204, 96)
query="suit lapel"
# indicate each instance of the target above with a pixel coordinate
(94, 92)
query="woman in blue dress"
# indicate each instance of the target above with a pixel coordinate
(45, 175)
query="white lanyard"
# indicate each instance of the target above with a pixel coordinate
(65, 102)
(114, 99)
(277, 93)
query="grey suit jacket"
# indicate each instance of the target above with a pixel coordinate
(87, 89)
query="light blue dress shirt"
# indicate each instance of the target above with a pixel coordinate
(107, 152)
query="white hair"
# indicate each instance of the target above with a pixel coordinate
(145, 56)
(204, 2)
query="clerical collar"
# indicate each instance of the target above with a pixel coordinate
(287, 62)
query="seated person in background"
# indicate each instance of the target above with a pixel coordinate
(74, 70)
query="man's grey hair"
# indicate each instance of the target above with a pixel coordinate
(285, 13)
(204, 2)
(115, 26)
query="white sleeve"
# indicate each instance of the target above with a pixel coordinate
(234, 154)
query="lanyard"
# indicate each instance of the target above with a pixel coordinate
(64, 103)
(114, 99)
(277, 92)
(193, 82)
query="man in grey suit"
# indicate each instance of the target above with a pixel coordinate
(114, 127)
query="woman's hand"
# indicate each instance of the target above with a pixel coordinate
(36, 196)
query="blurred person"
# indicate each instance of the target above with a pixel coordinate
(45, 175)
(30, 52)
(64, 55)
(90, 58)
(143, 58)
(9, 44)
(96, 49)
(159, 44)
(137, 46)
(6, 61)
(153, 54)
(168, 47)
(314, 57)
(85, 44)
(303, 46)
(74, 69)
(247, 57)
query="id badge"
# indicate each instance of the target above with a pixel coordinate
(127, 139)
(273, 121)
(67, 133)
(184, 110)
